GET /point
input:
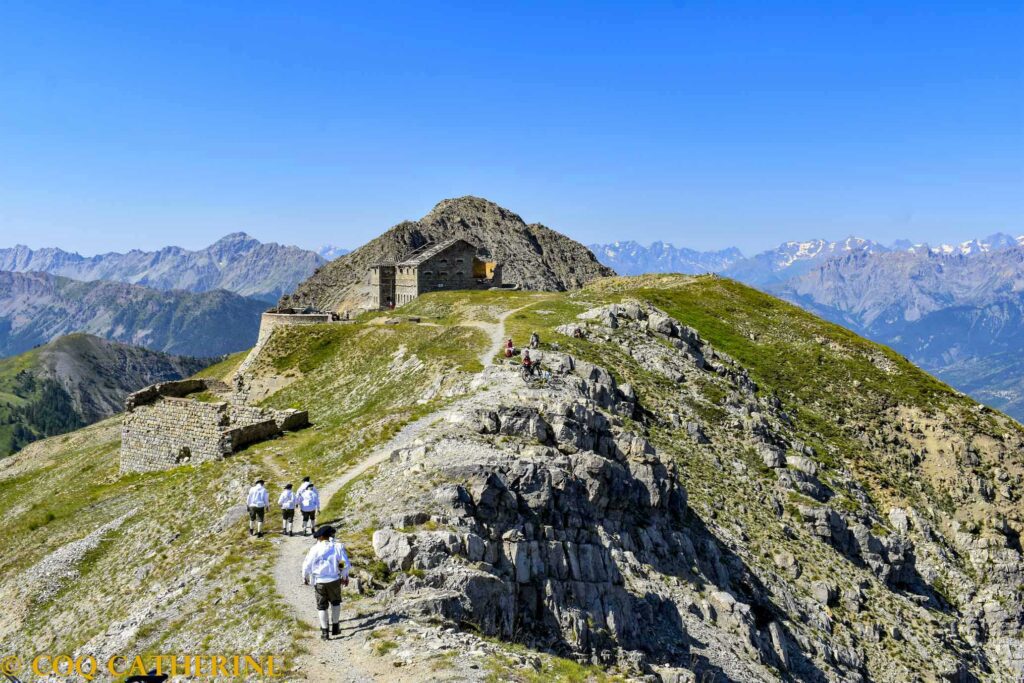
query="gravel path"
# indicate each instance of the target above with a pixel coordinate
(347, 658)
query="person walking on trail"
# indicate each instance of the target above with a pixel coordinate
(287, 502)
(327, 566)
(257, 502)
(309, 504)
(534, 340)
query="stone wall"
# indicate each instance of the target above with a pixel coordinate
(182, 387)
(163, 428)
(172, 431)
(382, 286)
(450, 269)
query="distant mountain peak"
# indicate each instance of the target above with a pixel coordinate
(330, 252)
(236, 237)
(236, 262)
(629, 257)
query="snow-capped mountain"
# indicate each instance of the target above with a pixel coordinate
(792, 259)
(633, 258)
(331, 252)
(980, 246)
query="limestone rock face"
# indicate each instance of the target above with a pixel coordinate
(532, 256)
(560, 515)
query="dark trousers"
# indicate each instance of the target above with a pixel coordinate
(327, 594)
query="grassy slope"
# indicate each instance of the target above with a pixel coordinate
(34, 405)
(57, 490)
(360, 386)
(50, 404)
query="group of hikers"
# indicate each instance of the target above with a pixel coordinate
(326, 565)
(306, 500)
(529, 364)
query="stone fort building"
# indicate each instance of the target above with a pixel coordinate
(452, 264)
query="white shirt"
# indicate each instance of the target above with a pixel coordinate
(302, 487)
(258, 497)
(309, 500)
(325, 562)
(287, 500)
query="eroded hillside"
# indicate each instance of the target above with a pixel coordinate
(711, 482)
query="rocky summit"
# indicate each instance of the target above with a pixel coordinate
(701, 482)
(532, 255)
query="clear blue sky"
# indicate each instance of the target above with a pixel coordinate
(138, 124)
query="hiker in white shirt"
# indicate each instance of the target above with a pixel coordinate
(257, 502)
(303, 486)
(327, 566)
(309, 504)
(287, 502)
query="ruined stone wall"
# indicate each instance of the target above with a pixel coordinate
(172, 431)
(246, 434)
(164, 428)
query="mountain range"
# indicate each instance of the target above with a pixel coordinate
(789, 259)
(955, 309)
(36, 308)
(75, 381)
(961, 317)
(633, 258)
(329, 252)
(236, 262)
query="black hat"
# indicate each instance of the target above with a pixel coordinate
(305, 479)
(259, 481)
(325, 531)
(287, 486)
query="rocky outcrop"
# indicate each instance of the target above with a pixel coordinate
(532, 256)
(558, 517)
(537, 541)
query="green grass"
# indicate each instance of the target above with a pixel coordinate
(225, 367)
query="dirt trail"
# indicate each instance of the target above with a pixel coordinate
(347, 658)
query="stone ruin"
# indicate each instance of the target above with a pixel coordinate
(164, 426)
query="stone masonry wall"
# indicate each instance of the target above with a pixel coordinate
(171, 432)
(163, 428)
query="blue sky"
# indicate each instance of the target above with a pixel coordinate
(708, 124)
